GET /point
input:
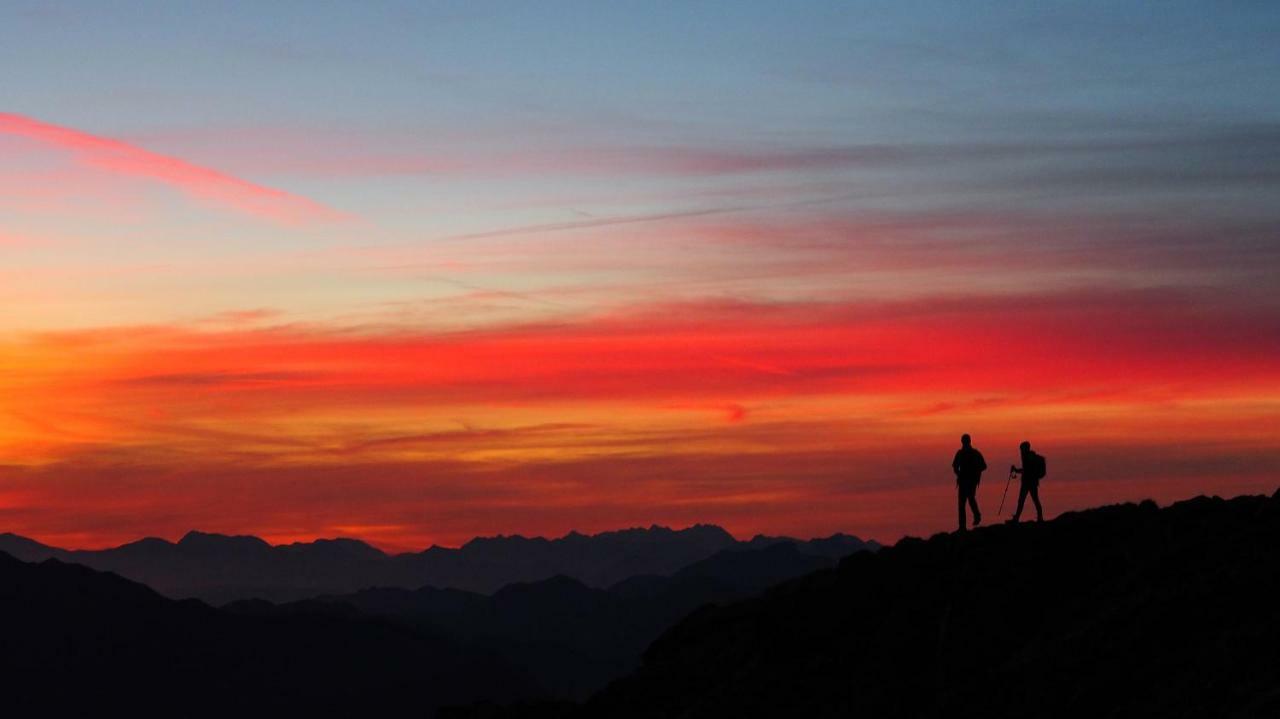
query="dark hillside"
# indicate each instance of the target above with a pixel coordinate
(571, 639)
(1121, 611)
(76, 642)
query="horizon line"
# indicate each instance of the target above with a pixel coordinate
(402, 551)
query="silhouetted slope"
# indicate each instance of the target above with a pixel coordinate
(573, 639)
(28, 550)
(1121, 611)
(76, 642)
(219, 568)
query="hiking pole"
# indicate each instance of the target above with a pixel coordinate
(1006, 491)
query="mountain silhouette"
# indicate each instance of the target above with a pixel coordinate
(1127, 610)
(78, 642)
(573, 639)
(219, 568)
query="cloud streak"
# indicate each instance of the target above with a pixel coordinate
(935, 357)
(201, 183)
(1150, 152)
(701, 351)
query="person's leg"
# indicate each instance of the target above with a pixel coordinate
(1035, 497)
(973, 505)
(1022, 499)
(960, 502)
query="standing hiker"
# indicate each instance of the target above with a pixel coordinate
(1032, 471)
(968, 466)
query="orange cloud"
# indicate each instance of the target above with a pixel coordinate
(199, 182)
(841, 416)
(727, 356)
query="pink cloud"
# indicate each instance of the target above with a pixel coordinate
(8, 239)
(202, 183)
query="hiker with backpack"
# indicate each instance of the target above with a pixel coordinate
(1032, 471)
(968, 466)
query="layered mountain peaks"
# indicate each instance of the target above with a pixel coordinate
(220, 568)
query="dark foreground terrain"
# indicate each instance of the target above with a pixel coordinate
(571, 640)
(1123, 611)
(77, 642)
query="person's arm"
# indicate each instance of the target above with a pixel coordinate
(982, 462)
(955, 464)
(1015, 470)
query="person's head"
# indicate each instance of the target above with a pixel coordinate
(964, 440)
(1025, 447)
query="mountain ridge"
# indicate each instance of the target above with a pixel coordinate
(1124, 610)
(197, 535)
(220, 568)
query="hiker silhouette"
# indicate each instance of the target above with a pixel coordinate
(968, 466)
(1031, 471)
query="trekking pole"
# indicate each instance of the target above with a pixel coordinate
(1006, 492)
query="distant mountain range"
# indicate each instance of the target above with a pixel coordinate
(218, 568)
(379, 650)
(571, 639)
(1122, 611)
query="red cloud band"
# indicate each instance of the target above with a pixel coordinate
(852, 406)
(1077, 340)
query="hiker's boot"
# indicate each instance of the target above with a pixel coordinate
(977, 519)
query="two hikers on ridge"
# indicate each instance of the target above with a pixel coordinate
(969, 465)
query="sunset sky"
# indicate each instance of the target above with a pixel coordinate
(416, 272)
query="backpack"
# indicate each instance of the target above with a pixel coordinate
(1035, 466)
